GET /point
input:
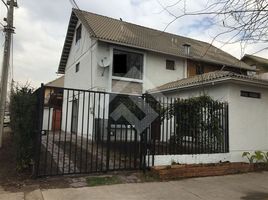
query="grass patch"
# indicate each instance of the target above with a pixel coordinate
(149, 177)
(110, 180)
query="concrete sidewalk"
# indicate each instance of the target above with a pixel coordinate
(244, 186)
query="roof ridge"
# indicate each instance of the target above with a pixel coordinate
(83, 20)
(153, 29)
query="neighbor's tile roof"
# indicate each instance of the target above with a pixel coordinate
(128, 34)
(256, 59)
(59, 82)
(204, 78)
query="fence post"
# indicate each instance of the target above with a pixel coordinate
(227, 127)
(108, 139)
(38, 131)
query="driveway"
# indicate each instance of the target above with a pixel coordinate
(244, 186)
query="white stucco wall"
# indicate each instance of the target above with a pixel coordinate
(84, 52)
(156, 74)
(248, 123)
(47, 118)
(87, 52)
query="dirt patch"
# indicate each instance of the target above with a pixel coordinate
(14, 181)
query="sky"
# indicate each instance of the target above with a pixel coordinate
(41, 27)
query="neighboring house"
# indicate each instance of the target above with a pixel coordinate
(53, 104)
(259, 63)
(247, 97)
(105, 54)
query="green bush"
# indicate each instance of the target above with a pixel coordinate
(256, 157)
(201, 119)
(23, 121)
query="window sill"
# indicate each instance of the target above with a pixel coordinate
(127, 79)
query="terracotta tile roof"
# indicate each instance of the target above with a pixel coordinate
(205, 78)
(128, 34)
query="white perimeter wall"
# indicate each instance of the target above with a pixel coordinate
(248, 123)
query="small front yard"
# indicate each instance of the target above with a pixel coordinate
(11, 180)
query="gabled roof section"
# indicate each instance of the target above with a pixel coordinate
(207, 78)
(256, 59)
(59, 82)
(127, 34)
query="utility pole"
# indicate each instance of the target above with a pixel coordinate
(9, 30)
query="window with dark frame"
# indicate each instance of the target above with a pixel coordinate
(248, 94)
(127, 64)
(199, 69)
(78, 33)
(77, 66)
(170, 64)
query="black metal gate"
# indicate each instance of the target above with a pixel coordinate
(83, 131)
(98, 137)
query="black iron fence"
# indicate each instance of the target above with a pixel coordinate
(189, 126)
(83, 131)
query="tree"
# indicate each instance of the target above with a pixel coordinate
(244, 21)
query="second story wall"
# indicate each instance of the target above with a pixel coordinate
(78, 72)
(158, 73)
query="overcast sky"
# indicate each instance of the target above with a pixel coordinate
(41, 27)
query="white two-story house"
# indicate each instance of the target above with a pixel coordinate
(109, 55)
(105, 54)
(102, 55)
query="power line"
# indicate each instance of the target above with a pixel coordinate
(5, 4)
(74, 4)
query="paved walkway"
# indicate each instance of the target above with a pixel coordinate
(252, 186)
(244, 186)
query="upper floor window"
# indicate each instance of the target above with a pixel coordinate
(77, 66)
(78, 33)
(170, 64)
(127, 64)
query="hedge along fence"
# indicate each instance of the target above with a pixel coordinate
(197, 125)
(23, 123)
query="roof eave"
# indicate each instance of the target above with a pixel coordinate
(215, 81)
(67, 43)
(75, 16)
